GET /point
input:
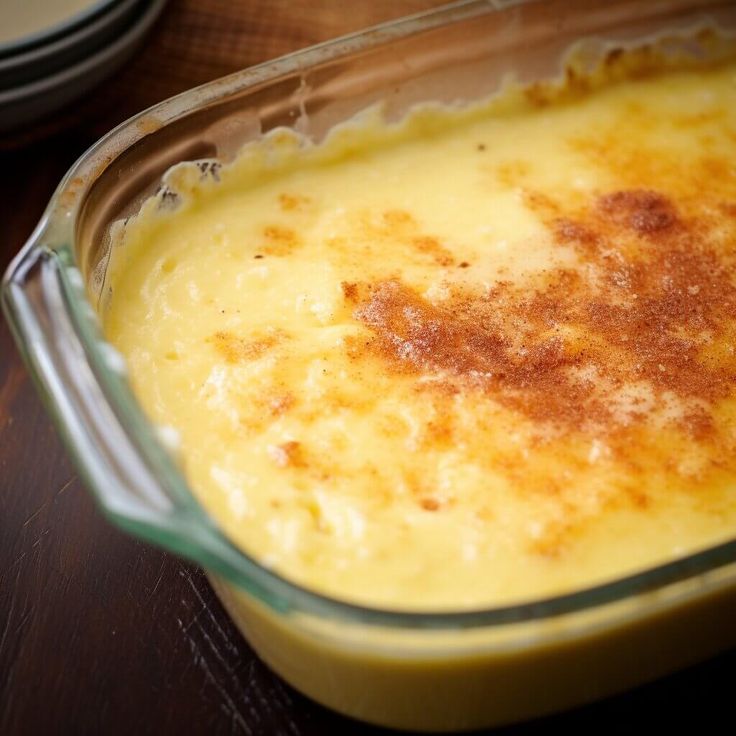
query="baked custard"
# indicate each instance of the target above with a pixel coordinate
(478, 357)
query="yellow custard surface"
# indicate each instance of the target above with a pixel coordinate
(476, 358)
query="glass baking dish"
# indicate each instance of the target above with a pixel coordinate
(429, 671)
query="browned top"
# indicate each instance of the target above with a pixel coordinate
(644, 323)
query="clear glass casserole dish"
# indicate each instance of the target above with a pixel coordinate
(429, 671)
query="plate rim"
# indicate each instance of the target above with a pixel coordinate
(30, 41)
(84, 34)
(151, 9)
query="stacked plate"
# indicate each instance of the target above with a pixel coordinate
(52, 52)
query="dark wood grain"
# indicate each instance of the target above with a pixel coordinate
(99, 633)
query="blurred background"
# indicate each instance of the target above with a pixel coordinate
(100, 634)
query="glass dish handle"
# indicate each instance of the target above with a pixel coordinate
(116, 449)
(40, 309)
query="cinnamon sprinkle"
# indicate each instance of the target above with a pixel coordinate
(632, 338)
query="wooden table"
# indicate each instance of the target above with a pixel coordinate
(100, 634)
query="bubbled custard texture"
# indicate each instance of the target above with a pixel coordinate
(487, 360)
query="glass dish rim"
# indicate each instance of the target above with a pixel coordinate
(212, 548)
